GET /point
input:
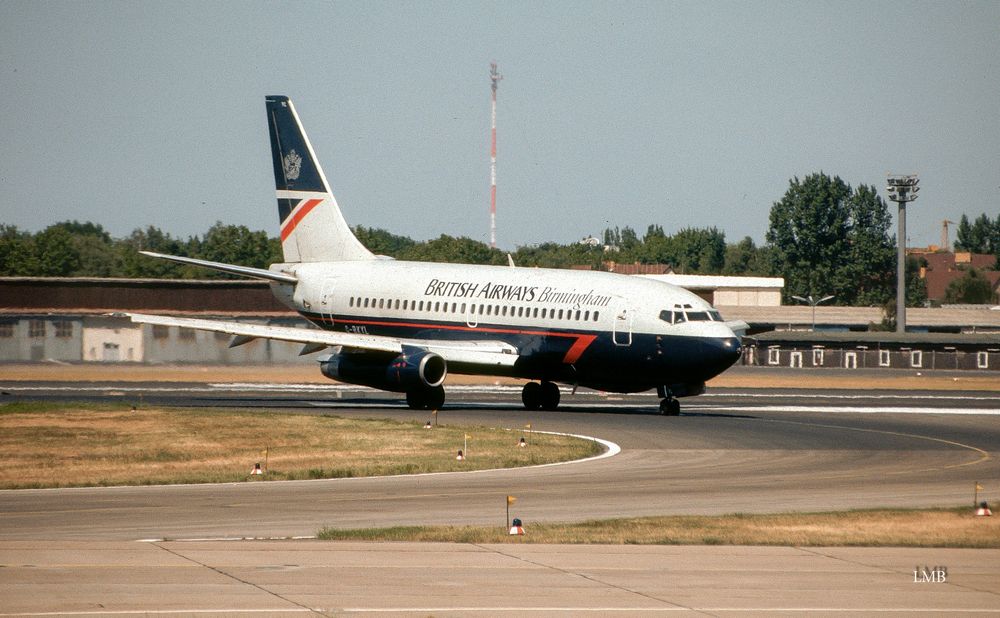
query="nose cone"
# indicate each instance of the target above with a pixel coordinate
(721, 353)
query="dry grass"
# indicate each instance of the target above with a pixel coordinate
(875, 528)
(64, 445)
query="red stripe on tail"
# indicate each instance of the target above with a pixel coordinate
(297, 215)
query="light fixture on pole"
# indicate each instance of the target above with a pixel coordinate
(812, 303)
(902, 189)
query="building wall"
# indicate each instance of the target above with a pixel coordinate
(747, 298)
(986, 358)
(111, 340)
(38, 338)
(106, 339)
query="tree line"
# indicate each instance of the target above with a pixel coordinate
(824, 237)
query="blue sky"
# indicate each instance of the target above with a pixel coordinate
(681, 114)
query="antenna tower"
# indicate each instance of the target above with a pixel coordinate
(494, 78)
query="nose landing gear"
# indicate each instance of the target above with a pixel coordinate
(669, 406)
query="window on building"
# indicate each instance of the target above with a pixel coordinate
(186, 333)
(64, 328)
(6, 329)
(982, 360)
(916, 358)
(36, 328)
(773, 356)
(160, 331)
(884, 358)
(818, 355)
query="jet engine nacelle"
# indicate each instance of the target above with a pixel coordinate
(405, 372)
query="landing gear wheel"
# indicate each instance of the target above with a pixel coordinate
(550, 396)
(670, 407)
(531, 396)
(425, 398)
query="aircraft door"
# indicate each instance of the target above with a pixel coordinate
(326, 299)
(621, 332)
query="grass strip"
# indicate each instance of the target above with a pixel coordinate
(953, 527)
(72, 445)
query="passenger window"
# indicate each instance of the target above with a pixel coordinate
(577, 315)
(597, 314)
(586, 316)
(560, 314)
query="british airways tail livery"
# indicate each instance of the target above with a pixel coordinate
(403, 326)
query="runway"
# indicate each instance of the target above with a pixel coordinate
(231, 549)
(730, 451)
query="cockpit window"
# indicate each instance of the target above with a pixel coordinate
(680, 314)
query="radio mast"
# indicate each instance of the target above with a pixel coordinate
(494, 78)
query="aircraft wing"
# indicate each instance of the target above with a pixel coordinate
(496, 353)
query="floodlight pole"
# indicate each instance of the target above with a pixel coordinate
(902, 189)
(812, 303)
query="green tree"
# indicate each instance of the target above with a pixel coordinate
(381, 242)
(17, 252)
(745, 258)
(872, 258)
(131, 263)
(56, 254)
(456, 250)
(809, 238)
(971, 289)
(980, 236)
(235, 244)
(700, 251)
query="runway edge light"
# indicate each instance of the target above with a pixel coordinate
(516, 529)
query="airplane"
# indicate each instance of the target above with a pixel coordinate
(402, 326)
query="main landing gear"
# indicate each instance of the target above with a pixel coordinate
(669, 406)
(425, 398)
(544, 396)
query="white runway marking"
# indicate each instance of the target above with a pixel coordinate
(517, 610)
(852, 409)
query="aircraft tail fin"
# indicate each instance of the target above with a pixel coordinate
(312, 226)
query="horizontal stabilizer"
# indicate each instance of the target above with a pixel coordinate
(234, 269)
